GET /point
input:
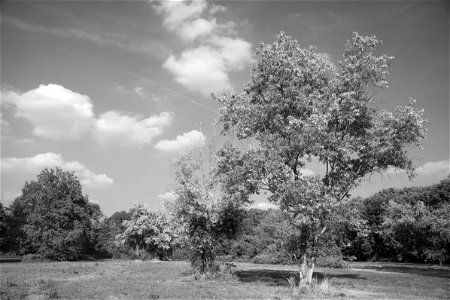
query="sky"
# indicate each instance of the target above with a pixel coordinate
(114, 90)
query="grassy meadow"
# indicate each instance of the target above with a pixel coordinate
(120, 279)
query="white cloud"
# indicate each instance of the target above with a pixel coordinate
(168, 196)
(55, 112)
(201, 69)
(264, 206)
(205, 67)
(183, 142)
(235, 52)
(59, 113)
(35, 164)
(197, 28)
(431, 168)
(177, 13)
(118, 129)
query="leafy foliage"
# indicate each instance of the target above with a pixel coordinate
(409, 224)
(52, 218)
(204, 216)
(105, 232)
(296, 108)
(148, 233)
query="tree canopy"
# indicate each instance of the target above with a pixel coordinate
(148, 233)
(299, 108)
(54, 216)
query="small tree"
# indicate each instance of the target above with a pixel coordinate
(148, 232)
(299, 108)
(202, 214)
(196, 211)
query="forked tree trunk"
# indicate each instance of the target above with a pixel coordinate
(305, 263)
(306, 269)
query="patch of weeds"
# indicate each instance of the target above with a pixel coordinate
(12, 290)
(10, 283)
(223, 271)
(48, 288)
(211, 295)
(318, 289)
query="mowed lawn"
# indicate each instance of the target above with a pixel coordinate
(121, 279)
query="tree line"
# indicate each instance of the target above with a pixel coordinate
(52, 220)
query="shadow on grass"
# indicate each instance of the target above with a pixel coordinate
(414, 271)
(280, 277)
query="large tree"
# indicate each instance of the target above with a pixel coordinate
(297, 108)
(53, 216)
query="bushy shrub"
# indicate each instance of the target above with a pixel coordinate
(217, 271)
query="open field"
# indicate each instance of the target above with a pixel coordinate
(116, 279)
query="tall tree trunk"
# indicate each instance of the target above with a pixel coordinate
(306, 269)
(305, 263)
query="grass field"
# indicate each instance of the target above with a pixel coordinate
(115, 279)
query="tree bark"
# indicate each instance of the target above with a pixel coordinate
(305, 264)
(306, 269)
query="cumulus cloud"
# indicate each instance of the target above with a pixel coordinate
(204, 67)
(61, 114)
(55, 112)
(235, 52)
(182, 142)
(180, 14)
(35, 164)
(197, 28)
(431, 168)
(201, 69)
(115, 128)
(168, 196)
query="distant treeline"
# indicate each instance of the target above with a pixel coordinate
(51, 219)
